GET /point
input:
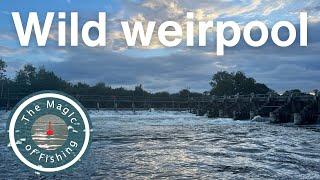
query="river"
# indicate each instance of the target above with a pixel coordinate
(179, 145)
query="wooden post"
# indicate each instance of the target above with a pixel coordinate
(298, 119)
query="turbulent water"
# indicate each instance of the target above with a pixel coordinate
(177, 145)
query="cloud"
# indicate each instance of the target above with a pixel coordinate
(160, 73)
(159, 68)
(279, 68)
(274, 7)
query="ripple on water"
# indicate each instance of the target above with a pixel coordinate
(180, 145)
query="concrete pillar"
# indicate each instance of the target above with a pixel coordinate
(318, 120)
(269, 98)
(252, 97)
(237, 97)
(98, 106)
(116, 106)
(235, 115)
(297, 119)
(252, 115)
(209, 115)
(8, 106)
(220, 113)
(274, 117)
(133, 108)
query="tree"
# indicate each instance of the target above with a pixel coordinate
(225, 83)
(80, 88)
(3, 67)
(262, 89)
(138, 91)
(26, 75)
(243, 85)
(293, 92)
(100, 89)
(184, 93)
(222, 83)
(25, 78)
(47, 80)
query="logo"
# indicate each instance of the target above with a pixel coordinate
(49, 131)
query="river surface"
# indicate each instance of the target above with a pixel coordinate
(178, 145)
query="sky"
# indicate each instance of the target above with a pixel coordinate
(168, 69)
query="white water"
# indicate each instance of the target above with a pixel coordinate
(180, 145)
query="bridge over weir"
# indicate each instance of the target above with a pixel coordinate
(111, 102)
(302, 109)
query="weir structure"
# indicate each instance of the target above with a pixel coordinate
(302, 109)
(299, 109)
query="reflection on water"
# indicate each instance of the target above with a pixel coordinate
(49, 132)
(180, 145)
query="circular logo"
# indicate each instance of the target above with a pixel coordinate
(49, 131)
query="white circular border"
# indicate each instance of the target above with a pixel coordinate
(41, 96)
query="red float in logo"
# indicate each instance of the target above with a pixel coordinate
(50, 131)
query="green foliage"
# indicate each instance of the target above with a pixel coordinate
(225, 83)
(26, 76)
(138, 91)
(222, 84)
(29, 80)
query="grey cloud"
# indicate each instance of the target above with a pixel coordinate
(279, 68)
(157, 73)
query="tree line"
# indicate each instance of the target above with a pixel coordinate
(30, 79)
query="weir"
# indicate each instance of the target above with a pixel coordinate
(300, 110)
